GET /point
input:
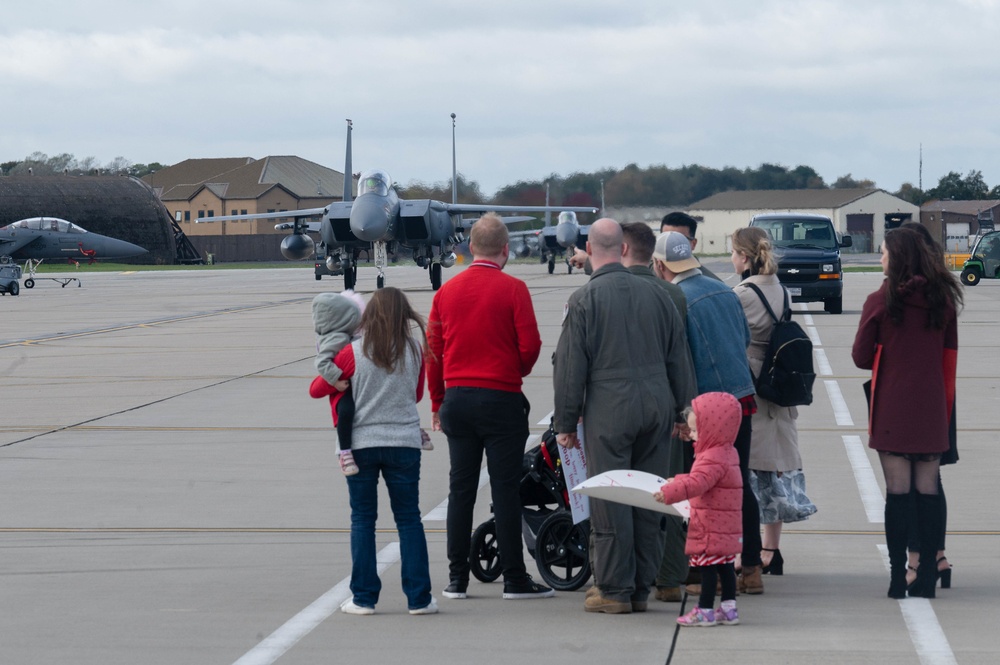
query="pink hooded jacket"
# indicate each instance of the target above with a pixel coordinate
(715, 484)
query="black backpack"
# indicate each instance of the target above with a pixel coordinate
(787, 376)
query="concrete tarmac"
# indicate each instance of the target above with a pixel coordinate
(169, 493)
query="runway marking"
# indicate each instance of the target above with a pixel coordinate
(928, 638)
(144, 324)
(544, 422)
(864, 476)
(303, 623)
(840, 411)
(822, 363)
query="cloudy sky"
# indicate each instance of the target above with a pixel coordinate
(539, 87)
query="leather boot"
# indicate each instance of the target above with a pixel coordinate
(929, 518)
(750, 581)
(896, 527)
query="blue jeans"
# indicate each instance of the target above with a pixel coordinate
(400, 467)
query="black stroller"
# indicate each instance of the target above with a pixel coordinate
(560, 548)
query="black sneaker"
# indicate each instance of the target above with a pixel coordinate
(456, 590)
(526, 589)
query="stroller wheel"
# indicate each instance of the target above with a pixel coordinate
(485, 561)
(562, 551)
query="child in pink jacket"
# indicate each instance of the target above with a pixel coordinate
(714, 488)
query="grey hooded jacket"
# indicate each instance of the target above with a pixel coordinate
(335, 319)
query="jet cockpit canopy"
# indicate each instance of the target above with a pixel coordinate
(376, 182)
(45, 224)
(567, 217)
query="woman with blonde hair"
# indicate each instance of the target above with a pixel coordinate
(775, 463)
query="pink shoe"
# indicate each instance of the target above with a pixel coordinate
(347, 464)
(698, 617)
(727, 617)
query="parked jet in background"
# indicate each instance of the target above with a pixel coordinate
(39, 238)
(562, 239)
(378, 221)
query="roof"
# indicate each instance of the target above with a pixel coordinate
(781, 199)
(959, 207)
(246, 178)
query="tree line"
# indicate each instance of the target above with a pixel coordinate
(655, 185)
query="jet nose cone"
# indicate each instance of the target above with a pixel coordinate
(120, 249)
(370, 218)
(566, 235)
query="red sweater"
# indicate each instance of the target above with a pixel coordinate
(481, 332)
(345, 361)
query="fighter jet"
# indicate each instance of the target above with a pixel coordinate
(378, 222)
(39, 238)
(553, 241)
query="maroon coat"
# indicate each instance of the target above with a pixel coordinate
(715, 485)
(913, 374)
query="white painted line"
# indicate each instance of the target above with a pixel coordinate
(840, 410)
(808, 319)
(300, 625)
(544, 422)
(822, 363)
(928, 638)
(864, 476)
(813, 336)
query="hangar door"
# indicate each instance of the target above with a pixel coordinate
(861, 228)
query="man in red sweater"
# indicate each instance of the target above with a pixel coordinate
(483, 340)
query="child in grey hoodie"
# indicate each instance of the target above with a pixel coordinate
(335, 319)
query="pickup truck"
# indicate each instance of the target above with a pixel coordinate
(808, 252)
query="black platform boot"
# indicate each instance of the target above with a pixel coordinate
(896, 506)
(929, 518)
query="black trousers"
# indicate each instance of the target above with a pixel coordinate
(751, 509)
(494, 422)
(345, 420)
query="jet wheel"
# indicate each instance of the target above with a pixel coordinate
(435, 276)
(485, 558)
(552, 266)
(562, 551)
(29, 283)
(380, 281)
(350, 278)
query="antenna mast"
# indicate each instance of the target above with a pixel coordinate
(454, 164)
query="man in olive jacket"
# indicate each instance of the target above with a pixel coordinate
(622, 364)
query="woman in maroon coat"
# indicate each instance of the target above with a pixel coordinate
(908, 337)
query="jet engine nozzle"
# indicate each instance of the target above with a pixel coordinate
(448, 260)
(297, 247)
(521, 250)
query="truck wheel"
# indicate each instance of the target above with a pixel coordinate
(834, 305)
(970, 277)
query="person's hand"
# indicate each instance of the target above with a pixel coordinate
(435, 422)
(658, 496)
(341, 385)
(568, 440)
(579, 258)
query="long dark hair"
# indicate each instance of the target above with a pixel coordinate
(914, 264)
(387, 322)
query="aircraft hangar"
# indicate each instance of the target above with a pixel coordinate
(116, 206)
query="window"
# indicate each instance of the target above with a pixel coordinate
(187, 215)
(201, 214)
(177, 216)
(243, 211)
(211, 213)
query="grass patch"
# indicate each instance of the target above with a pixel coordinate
(59, 267)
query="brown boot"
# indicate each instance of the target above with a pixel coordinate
(598, 603)
(668, 594)
(749, 581)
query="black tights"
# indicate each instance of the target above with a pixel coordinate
(902, 473)
(709, 576)
(345, 420)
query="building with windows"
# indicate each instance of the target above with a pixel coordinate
(196, 190)
(956, 223)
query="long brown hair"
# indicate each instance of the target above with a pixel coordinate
(914, 264)
(387, 322)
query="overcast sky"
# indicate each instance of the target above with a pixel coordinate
(539, 87)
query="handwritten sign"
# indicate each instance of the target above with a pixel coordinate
(634, 488)
(574, 465)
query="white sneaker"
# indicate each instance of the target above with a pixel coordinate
(347, 463)
(350, 608)
(431, 608)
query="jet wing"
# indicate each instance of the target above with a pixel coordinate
(464, 208)
(307, 212)
(9, 245)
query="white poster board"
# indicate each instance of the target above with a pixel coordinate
(634, 488)
(574, 465)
